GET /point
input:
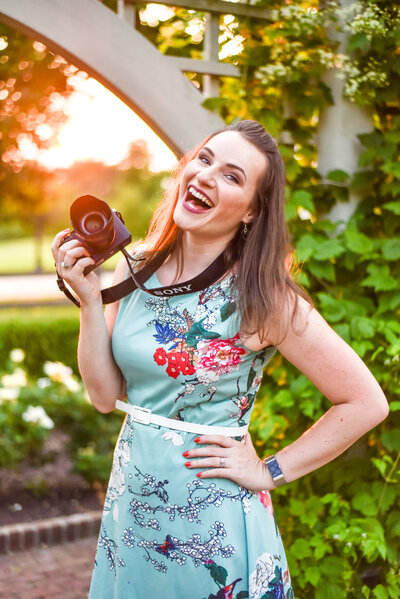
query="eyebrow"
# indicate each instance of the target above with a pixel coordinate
(230, 164)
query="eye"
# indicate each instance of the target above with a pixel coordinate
(233, 178)
(204, 158)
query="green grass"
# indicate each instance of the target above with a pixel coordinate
(17, 256)
(39, 313)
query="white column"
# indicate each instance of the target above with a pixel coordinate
(338, 145)
(211, 50)
(126, 12)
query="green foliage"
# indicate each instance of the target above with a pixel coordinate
(339, 524)
(43, 336)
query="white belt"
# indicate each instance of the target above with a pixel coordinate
(145, 416)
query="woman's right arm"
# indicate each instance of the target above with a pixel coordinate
(102, 377)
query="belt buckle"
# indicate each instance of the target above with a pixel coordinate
(141, 415)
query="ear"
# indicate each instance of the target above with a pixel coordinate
(249, 217)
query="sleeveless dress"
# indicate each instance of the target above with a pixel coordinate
(164, 531)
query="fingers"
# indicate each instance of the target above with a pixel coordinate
(215, 456)
(68, 254)
(212, 457)
(221, 440)
(217, 462)
(214, 473)
(218, 456)
(68, 257)
(57, 241)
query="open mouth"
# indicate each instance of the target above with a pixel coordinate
(197, 199)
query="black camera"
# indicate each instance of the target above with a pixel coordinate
(99, 228)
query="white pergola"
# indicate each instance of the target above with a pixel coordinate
(108, 47)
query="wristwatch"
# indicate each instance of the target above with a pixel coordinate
(275, 471)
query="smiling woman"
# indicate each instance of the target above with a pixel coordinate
(188, 507)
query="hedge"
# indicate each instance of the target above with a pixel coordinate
(43, 334)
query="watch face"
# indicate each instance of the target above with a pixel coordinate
(275, 471)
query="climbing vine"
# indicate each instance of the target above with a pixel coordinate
(341, 524)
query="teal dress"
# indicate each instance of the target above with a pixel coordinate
(164, 531)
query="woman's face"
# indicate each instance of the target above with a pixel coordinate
(218, 187)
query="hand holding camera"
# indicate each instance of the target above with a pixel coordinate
(97, 234)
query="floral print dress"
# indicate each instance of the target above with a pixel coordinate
(165, 532)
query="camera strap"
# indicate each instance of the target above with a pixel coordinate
(137, 280)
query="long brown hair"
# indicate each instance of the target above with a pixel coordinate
(265, 289)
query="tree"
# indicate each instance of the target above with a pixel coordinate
(33, 88)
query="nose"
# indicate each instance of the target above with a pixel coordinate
(206, 176)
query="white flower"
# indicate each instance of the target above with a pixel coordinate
(8, 394)
(37, 415)
(60, 373)
(174, 437)
(57, 371)
(17, 355)
(246, 505)
(260, 578)
(206, 376)
(210, 321)
(189, 388)
(16, 379)
(72, 384)
(201, 312)
(43, 382)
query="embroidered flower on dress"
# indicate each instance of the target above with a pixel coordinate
(220, 355)
(207, 376)
(172, 370)
(174, 437)
(160, 356)
(259, 579)
(246, 505)
(265, 498)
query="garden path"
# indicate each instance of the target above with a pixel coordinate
(36, 288)
(60, 571)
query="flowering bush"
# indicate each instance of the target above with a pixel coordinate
(31, 408)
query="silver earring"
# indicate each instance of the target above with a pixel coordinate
(245, 229)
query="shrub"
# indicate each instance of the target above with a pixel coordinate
(31, 407)
(44, 334)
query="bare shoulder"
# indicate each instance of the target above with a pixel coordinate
(294, 318)
(111, 310)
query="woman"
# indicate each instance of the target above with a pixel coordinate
(188, 511)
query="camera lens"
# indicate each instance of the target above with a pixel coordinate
(93, 222)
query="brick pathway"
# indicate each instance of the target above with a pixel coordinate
(57, 572)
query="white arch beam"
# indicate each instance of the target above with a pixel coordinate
(95, 39)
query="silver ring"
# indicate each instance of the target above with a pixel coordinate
(221, 462)
(63, 265)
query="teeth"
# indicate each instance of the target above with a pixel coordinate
(200, 196)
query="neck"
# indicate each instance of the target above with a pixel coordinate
(197, 255)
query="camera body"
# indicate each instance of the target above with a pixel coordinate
(99, 228)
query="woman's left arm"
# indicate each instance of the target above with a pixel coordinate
(358, 404)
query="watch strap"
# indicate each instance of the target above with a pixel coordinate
(275, 471)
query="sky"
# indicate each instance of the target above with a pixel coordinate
(101, 127)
